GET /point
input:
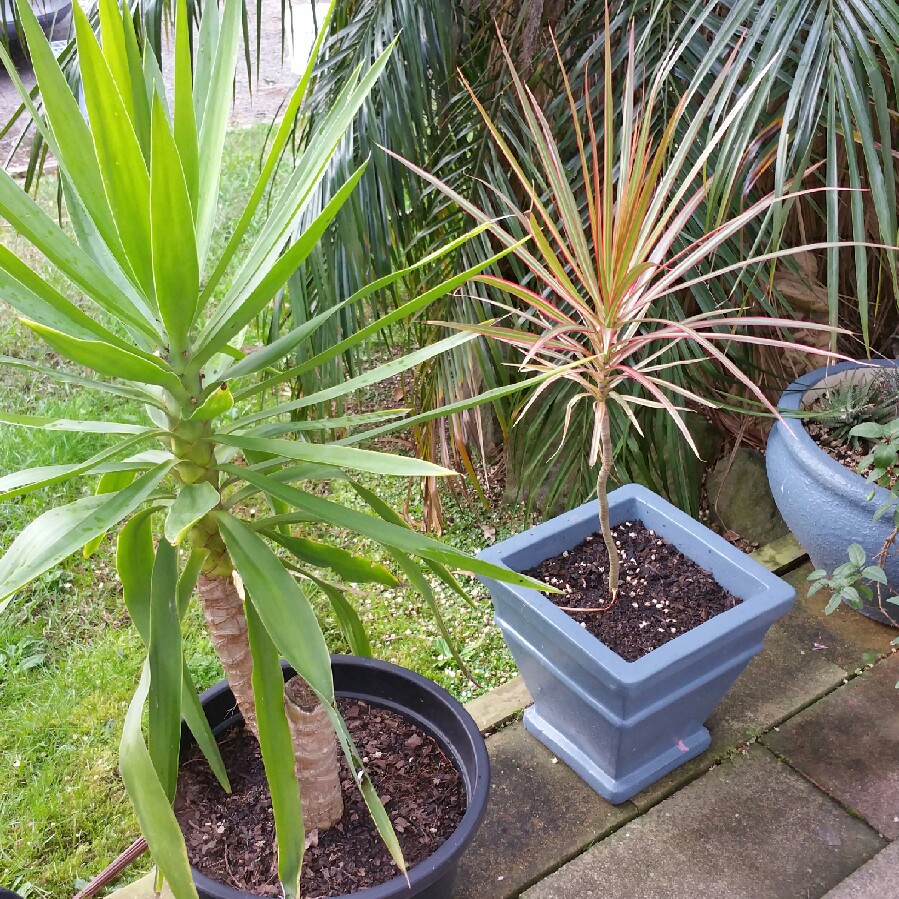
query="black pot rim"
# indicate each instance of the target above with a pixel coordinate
(476, 777)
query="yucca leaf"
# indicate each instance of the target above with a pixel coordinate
(276, 746)
(348, 619)
(346, 565)
(380, 531)
(184, 117)
(107, 359)
(135, 556)
(213, 123)
(166, 669)
(59, 532)
(176, 273)
(191, 504)
(22, 482)
(339, 456)
(283, 607)
(119, 158)
(151, 805)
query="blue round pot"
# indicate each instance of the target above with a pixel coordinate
(825, 504)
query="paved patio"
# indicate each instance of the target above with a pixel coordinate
(797, 797)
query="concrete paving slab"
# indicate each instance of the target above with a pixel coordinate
(540, 815)
(878, 879)
(750, 828)
(848, 744)
(499, 706)
(143, 889)
(778, 683)
(847, 638)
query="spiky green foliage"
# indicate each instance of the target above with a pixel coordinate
(160, 320)
(813, 117)
(591, 317)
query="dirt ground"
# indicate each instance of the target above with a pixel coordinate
(256, 101)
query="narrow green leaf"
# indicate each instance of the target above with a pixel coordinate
(122, 164)
(367, 788)
(114, 52)
(276, 747)
(374, 376)
(103, 282)
(348, 619)
(342, 456)
(323, 510)
(283, 607)
(384, 511)
(198, 724)
(30, 295)
(134, 562)
(139, 100)
(110, 482)
(185, 123)
(151, 805)
(22, 482)
(69, 135)
(191, 504)
(189, 577)
(135, 555)
(176, 273)
(347, 565)
(58, 533)
(65, 377)
(166, 669)
(214, 122)
(45, 423)
(240, 308)
(108, 360)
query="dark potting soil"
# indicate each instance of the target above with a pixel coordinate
(661, 592)
(232, 838)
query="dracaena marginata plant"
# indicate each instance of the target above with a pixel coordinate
(155, 323)
(589, 314)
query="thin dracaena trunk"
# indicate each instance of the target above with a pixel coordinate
(602, 485)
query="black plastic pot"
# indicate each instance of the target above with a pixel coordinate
(432, 709)
(8, 894)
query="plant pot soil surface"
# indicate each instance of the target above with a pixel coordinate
(661, 594)
(232, 838)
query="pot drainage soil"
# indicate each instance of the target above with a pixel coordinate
(232, 838)
(662, 593)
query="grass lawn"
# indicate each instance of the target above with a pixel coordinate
(69, 659)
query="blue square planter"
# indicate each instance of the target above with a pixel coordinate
(622, 725)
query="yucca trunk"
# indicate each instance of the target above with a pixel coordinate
(223, 607)
(314, 741)
(315, 749)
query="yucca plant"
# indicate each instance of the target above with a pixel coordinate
(591, 317)
(159, 320)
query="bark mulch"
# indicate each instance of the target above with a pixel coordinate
(232, 838)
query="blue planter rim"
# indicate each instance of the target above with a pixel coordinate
(806, 448)
(763, 590)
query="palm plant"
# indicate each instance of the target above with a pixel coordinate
(591, 318)
(159, 318)
(814, 112)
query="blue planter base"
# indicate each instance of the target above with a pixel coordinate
(615, 790)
